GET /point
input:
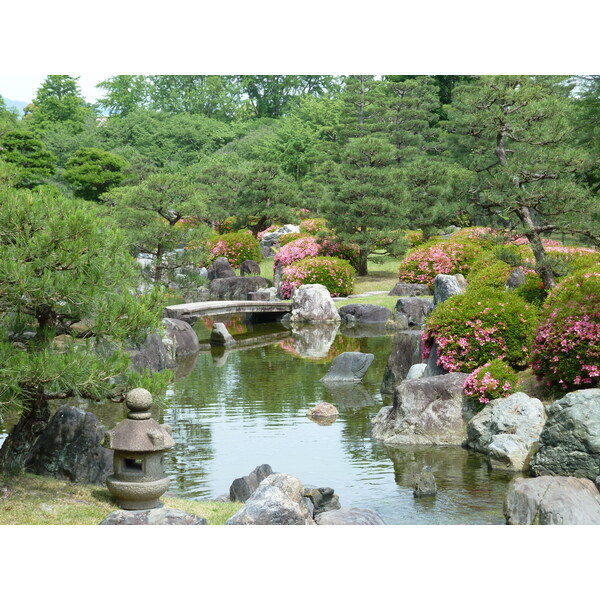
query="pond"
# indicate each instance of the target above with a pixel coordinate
(241, 408)
(232, 410)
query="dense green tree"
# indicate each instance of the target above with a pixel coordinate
(92, 171)
(8, 117)
(124, 94)
(59, 100)
(25, 150)
(61, 263)
(362, 97)
(164, 218)
(361, 198)
(515, 134)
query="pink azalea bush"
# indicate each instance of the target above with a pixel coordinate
(236, 247)
(480, 326)
(492, 380)
(296, 250)
(335, 274)
(566, 350)
(313, 226)
(423, 264)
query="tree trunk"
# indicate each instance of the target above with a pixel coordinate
(15, 450)
(542, 267)
(362, 263)
(158, 271)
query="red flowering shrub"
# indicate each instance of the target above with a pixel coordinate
(566, 350)
(423, 264)
(236, 247)
(494, 379)
(477, 327)
(335, 274)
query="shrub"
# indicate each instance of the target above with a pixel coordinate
(286, 238)
(349, 252)
(478, 327)
(487, 271)
(566, 350)
(296, 250)
(414, 237)
(494, 379)
(314, 226)
(335, 274)
(423, 264)
(236, 247)
(532, 291)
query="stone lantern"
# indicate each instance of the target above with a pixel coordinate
(139, 443)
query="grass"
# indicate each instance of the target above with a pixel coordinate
(383, 300)
(35, 500)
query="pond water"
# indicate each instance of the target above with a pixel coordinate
(232, 410)
(241, 408)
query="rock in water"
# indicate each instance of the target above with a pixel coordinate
(185, 338)
(406, 352)
(349, 366)
(552, 501)
(570, 440)
(425, 483)
(349, 516)
(313, 303)
(243, 487)
(70, 448)
(278, 500)
(323, 499)
(323, 413)
(219, 336)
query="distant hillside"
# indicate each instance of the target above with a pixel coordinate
(18, 104)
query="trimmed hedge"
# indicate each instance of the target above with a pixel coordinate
(236, 247)
(335, 274)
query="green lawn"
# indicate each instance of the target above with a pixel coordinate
(35, 500)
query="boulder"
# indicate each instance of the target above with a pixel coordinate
(249, 267)
(445, 286)
(184, 337)
(236, 288)
(516, 278)
(364, 313)
(323, 413)
(349, 516)
(428, 410)
(411, 312)
(509, 452)
(278, 500)
(406, 353)
(552, 501)
(243, 487)
(323, 499)
(70, 448)
(424, 483)
(154, 516)
(433, 368)
(313, 303)
(349, 366)
(152, 354)
(260, 296)
(219, 269)
(517, 414)
(219, 336)
(570, 440)
(410, 289)
(416, 371)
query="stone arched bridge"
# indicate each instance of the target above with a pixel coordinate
(226, 307)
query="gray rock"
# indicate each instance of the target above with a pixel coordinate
(323, 499)
(406, 353)
(411, 312)
(428, 410)
(349, 366)
(552, 501)
(154, 516)
(278, 500)
(243, 487)
(184, 337)
(416, 371)
(220, 268)
(516, 278)
(249, 267)
(517, 414)
(70, 448)
(598, 483)
(236, 288)
(445, 286)
(570, 439)
(260, 295)
(349, 516)
(433, 368)
(152, 354)
(509, 452)
(425, 484)
(222, 498)
(410, 289)
(364, 313)
(219, 336)
(313, 303)
(203, 272)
